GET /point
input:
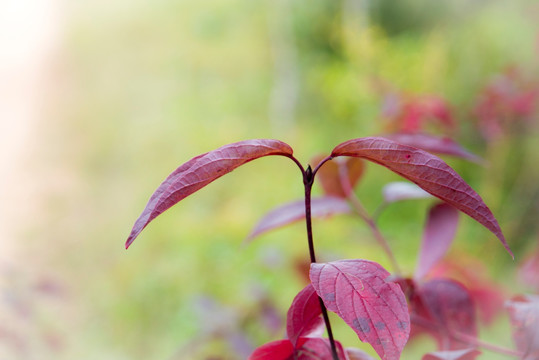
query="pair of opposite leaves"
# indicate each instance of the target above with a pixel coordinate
(424, 169)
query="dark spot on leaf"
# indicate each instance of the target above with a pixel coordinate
(380, 325)
(403, 325)
(408, 156)
(361, 324)
(329, 297)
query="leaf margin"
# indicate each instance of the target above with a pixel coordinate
(202, 163)
(377, 149)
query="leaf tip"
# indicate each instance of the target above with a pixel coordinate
(130, 239)
(505, 245)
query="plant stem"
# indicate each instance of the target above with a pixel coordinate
(308, 179)
(308, 182)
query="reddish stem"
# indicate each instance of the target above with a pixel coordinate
(308, 179)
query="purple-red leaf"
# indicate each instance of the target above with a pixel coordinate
(318, 349)
(429, 172)
(439, 233)
(295, 211)
(376, 310)
(306, 349)
(401, 190)
(444, 309)
(434, 144)
(303, 317)
(524, 315)
(275, 350)
(202, 170)
(473, 274)
(464, 354)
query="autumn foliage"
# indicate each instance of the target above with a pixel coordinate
(384, 310)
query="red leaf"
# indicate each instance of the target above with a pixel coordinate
(524, 315)
(439, 233)
(306, 349)
(507, 106)
(474, 276)
(295, 211)
(418, 109)
(318, 349)
(426, 170)
(443, 308)
(413, 113)
(401, 190)
(356, 354)
(376, 310)
(465, 354)
(303, 316)
(202, 170)
(331, 175)
(434, 144)
(491, 299)
(275, 350)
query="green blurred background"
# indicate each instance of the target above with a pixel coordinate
(123, 92)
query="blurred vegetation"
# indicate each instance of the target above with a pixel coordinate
(145, 86)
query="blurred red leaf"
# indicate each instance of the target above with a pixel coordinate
(444, 309)
(202, 170)
(286, 214)
(319, 349)
(306, 349)
(401, 190)
(426, 170)
(474, 275)
(275, 350)
(417, 110)
(303, 317)
(507, 104)
(330, 175)
(376, 310)
(524, 315)
(408, 113)
(434, 144)
(464, 354)
(407, 285)
(439, 233)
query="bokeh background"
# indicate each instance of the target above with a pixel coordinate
(100, 100)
